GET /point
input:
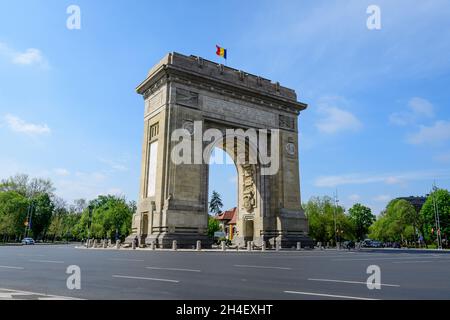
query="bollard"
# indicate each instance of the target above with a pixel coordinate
(109, 242)
(249, 246)
(263, 246)
(222, 245)
(117, 244)
(277, 246)
(299, 246)
(133, 245)
(174, 245)
(199, 245)
(105, 245)
(152, 245)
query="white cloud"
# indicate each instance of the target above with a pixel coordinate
(87, 185)
(61, 172)
(16, 124)
(443, 157)
(115, 165)
(435, 134)
(233, 179)
(335, 119)
(401, 118)
(421, 107)
(418, 109)
(354, 197)
(29, 57)
(115, 192)
(359, 179)
(382, 198)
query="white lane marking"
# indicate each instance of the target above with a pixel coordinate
(328, 295)
(417, 261)
(144, 278)
(375, 258)
(352, 282)
(11, 267)
(30, 255)
(120, 259)
(342, 256)
(261, 267)
(11, 293)
(174, 269)
(46, 261)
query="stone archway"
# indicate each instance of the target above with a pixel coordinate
(193, 103)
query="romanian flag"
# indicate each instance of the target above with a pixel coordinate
(221, 52)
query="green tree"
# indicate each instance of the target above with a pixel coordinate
(42, 211)
(215, 205)
(362, 218)
(441, 198)
(321, 214)
(13, 213)
(396, 223)
(110, 214)
(213, 226)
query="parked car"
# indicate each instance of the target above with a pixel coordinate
(367, 243)
(376, 244)
(27, 241)
(348, 244)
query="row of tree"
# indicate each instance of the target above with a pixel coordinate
(399, 222)
(30, 207)
(330, 223)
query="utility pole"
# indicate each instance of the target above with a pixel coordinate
(89, 224)
(335, 216)
(29, 217)
(436, 217)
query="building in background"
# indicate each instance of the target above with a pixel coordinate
(417, 202)
(227, 221)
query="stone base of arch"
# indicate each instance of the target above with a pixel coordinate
(184, 241)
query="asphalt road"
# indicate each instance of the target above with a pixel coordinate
(39, 272)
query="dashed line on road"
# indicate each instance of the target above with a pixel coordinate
(328, 295)
(47, 261)
(144, 278)
(9, 294)
(12, 267)
(128, 260)
(173, 269)
(416, 261)
(353, 282)
(30, 255)
(375, 258)
(260, 267)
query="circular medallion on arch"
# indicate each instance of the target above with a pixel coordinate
(189, 126)
(290, 148)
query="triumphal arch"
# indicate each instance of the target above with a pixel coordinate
(193, 105)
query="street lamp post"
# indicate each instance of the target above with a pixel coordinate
(335, 216)
(436, 218)
(89, 225)
(29, 218)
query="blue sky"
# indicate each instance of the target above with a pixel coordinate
(377, 126)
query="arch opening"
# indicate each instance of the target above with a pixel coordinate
(223, 179)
